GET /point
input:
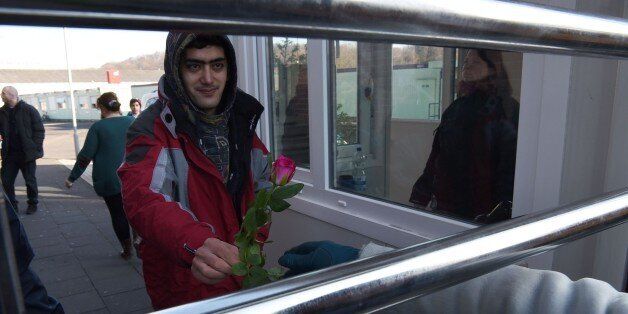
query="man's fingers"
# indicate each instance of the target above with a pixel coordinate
(205, 273)
(224, 250)
(208, 258)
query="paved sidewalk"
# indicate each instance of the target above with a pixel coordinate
(76, 251)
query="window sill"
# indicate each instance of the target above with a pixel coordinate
(389, 223)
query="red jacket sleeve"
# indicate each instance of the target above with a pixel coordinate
(158, 220)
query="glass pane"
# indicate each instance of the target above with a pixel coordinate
(416, 79)
(346, 93)
(289, 94)
(429, 135)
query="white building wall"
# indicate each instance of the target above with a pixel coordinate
(594, 156)
(123, 90)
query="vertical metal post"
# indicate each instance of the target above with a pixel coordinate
(10, 290)
(66, 36)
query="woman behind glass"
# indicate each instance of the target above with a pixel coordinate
(105, 146)
(470, 170)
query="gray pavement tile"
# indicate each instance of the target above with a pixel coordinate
(143, 311)
(98, 217)
(54, 262)
(92, 239)
(35, 225)
(127, 302)
(96, 253)
(39, 217)
(70, 219)
(118, 284)
(43, 233)
(77, 229)
(41, 242)
(81, 303)
(100, 311)
(70, 287)
(60, 274)
(109, 271)
(52, 250)
(65, 212)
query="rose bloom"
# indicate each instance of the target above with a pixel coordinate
(283, 170)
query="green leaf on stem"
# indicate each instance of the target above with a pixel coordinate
(278, 205)
(261, 217)
(275, 273)
(287, 191)
(240, 240)
(244, 254)
(255, 255)
(249, 225)
(254, 249)
(261, 198)
(239, 269)
(258, 276)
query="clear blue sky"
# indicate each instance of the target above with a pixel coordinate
(42, 47)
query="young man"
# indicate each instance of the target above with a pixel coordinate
(136, 107)
(22, 133)
(192, 164)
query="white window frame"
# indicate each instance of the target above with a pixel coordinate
(388, 222)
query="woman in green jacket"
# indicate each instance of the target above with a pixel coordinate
(104, 146)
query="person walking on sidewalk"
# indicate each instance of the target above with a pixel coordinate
(22, 134)
(105, 146)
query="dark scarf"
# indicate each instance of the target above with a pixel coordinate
(212, 131)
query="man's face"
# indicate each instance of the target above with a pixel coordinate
(8, 96)
(135, 107)
(204, 75)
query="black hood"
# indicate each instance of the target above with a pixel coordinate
(171, 81)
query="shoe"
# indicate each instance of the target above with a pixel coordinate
(127, 246)
(136, 245)
(32, 208)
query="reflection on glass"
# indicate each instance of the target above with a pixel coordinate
(416, 80)
(290, 99)
(470, 171)
(346, 93)
(397, 100)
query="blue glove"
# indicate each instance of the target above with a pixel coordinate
(311, 256)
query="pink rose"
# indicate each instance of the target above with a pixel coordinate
(283, 170)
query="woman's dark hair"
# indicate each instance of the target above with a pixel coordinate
(497, 83)
(109, 101)
(135, 100)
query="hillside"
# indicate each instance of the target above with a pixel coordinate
(154, 61)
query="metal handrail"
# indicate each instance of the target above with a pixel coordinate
(418, 270)
(457, 23)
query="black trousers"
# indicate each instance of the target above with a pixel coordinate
(10, 168)
(118, 217)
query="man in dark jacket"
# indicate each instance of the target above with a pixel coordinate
(192, 164)
(22, 134)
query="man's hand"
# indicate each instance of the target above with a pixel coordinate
(68, 183)
(212, 261)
